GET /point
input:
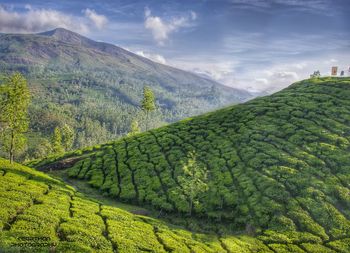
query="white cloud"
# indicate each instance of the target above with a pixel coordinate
(312, 4)
(254, 3)
(154, 57)
(275, 77)
(98, 20)
(280, 78)
(331, 61)
(217, 69)
(264, 81)
(193, 15)
(27, 7)
(270, 64)
(161, 29)
(39, 20)
(283, 75)
(147, 12)
(316, 6)
(269, 79)
(299, 65)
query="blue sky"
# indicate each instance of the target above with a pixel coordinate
(258, 45)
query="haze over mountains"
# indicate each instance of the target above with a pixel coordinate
(93, 85)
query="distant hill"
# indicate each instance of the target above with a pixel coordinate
(277, 164)
(89, 84)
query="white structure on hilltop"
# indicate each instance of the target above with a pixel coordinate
(342, 73)
(334, 71)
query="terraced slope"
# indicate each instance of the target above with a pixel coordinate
(38, 213)
(276, 164)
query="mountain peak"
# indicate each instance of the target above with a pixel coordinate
(57, 31)
(65, 35)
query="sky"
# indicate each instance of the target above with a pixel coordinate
(256, 45)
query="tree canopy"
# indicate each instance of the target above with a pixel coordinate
(193, 181)
(148, 102)
(15, 99)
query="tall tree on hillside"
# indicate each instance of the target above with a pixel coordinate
(148, 103)
(193, 181)
(42, 149)
(57, 141)
(14, 102)
(68, 137)
(134, 128)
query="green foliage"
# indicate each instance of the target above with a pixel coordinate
(14, 121)
(43, 149)
(148, 101)
(57, 141)
(99, 95)
(134, 128)
(37, 209)
(68, 136)
(277, 167)
(148, 105)
(192, 181)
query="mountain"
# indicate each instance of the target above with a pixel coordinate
(95, 85)
(59, 49)
(278, 168)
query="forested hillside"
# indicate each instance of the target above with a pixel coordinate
(95, 88)
(277, 164)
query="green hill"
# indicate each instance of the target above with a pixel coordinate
(96, 87)
(41, 214)
(278, 167)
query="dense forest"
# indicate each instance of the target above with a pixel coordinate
(96, 89)
(276, 167)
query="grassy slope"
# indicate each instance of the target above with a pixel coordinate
(35, 205)
(277, 164)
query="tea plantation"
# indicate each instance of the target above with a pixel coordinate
(278, 168)
(41, 214)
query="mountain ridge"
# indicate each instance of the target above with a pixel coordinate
(71, 37)
(101, 85)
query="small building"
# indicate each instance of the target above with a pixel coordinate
(334, 71)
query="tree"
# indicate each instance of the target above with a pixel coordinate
(316, 74)
(214, 94)
(14, 102)
(148, 103)
(193, 181)
(57, 141)
(42, 149)
(134, 128)
(68, 137)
